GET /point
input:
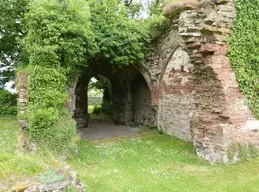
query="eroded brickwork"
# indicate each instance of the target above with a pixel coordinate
(194, 84)
(142, 111)
(187, 88)
(21, 88)
(175, 96)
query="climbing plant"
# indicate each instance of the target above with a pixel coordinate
(62, 38)
(58, 41)
(120, 40)
(244, 49)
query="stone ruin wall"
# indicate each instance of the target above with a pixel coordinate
(194, 85)
(194, 92)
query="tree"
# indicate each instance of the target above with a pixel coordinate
(11, 29)
(128, 2)
(120, 40)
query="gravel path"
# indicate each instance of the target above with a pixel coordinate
(103, 130)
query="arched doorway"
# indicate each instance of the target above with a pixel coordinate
(100, 99)
(142, 111)
(128, 95)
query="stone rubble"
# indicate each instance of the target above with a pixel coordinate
(71, 181)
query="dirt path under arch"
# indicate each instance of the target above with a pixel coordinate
(104, 130)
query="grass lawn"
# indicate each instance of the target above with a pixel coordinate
(149, 162)
(90, 109)
(97, 118)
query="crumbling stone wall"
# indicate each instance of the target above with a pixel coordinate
(142, 111)
(187, 88)
(193, 83)
(21, 89)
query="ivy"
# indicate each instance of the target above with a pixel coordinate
(120, 40)
(58, 41)
(244, 49)
(62, 39)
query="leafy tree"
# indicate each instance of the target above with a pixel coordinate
(11, 29)
(120, 40)
(156, 7)
(102, 83)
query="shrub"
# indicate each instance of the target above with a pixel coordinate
(104, 109)
(52, 131)
(8, 102)
(97, 110)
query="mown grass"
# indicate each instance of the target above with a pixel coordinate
(148, 162)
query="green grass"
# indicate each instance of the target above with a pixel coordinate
(97, 118)
(16, 167)
(149, 162)
(90, 109)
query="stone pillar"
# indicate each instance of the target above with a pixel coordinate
(122, 104)
(21, 89)
(71, 104)
(217, 95)
(81, 103)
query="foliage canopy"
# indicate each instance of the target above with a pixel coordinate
(11, 29)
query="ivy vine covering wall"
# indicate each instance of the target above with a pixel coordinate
(62, 38)
(57, 41)
(244, 50)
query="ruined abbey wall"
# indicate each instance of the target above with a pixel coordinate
(187, 88)
(194, 85)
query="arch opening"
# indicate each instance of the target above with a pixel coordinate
(100, 100)
(125, 97)
(142, 111)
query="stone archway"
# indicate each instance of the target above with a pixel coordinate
(142, 111)
(188, 79)
(129, 91)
